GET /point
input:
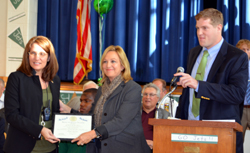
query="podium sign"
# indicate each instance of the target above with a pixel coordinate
(186, 136)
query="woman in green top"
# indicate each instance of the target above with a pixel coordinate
(32, 96)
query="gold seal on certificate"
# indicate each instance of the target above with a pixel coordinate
(69, 126)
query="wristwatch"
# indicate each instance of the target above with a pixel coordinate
(97, 134)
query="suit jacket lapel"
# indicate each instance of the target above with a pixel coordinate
(218, 61)
(52, 89)
(193, 57)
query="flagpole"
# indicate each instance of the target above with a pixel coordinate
(100, 41)
(102, 7)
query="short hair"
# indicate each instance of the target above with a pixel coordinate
(88, 83)
(93, 91)
(151, 85)
(2, 83)
(164, 84)
(214, 15)
(51, 68)
(126, 73)
(243, 41)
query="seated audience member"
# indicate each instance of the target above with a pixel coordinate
(150, 97)
(88, 101)
(87, 106)
(2, 114)
(2, 137)
(75, 102)
(67, 146)
(161, 84)
(2, 88)
(244, 45)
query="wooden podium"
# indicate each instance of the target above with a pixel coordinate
(188, 136)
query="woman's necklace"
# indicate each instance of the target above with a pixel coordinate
(46, 110)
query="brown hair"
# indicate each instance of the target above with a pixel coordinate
(51, 68)
(214, 15)
(164, 84)
(243, 41)
(126, 73)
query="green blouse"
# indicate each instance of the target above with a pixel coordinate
(43, 145)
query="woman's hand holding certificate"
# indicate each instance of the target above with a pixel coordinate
(85, 138)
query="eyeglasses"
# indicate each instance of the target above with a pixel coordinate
(150, 95)
(41, 54)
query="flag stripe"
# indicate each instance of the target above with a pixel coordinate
(84, 25)
(83, 60)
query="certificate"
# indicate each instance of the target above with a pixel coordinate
(70, 126)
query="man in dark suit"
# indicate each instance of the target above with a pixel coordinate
(219, 93)
(2, 137)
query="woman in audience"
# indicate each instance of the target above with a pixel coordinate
(32, 95)
(117, 113)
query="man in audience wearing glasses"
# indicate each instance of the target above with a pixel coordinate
(150, 97)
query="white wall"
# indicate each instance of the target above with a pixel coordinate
(25, 17)
(3, 34)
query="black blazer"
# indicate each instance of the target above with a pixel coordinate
(222, 95)
(23, 102)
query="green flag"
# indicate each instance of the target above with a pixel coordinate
(17, 37)
(16, 3)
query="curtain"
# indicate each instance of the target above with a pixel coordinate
(57, 20)
(155, 34)
(236, 19)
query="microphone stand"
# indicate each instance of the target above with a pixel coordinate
(157, 109)
(170, 100)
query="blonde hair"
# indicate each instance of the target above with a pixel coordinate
(51, 68)
(243, 41)
(214, 15)
(126, 73)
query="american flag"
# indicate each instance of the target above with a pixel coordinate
(83, 60)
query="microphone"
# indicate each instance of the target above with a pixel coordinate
(163, 99)
(173, 81)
